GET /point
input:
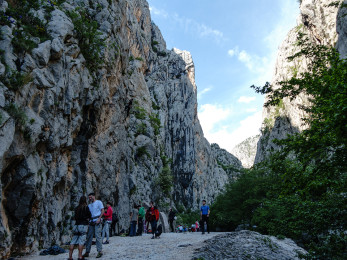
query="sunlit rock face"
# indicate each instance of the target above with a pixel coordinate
(246, 151)
(323, 22)
(105, 129)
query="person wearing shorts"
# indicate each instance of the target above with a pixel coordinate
(82, 217)
(94, 229)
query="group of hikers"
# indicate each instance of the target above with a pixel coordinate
(204, 216)
(94, 220)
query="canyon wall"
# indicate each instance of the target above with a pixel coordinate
(323, 22)
(108, 109)
(246, 151)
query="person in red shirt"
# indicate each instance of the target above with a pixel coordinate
(153, 217)
(107, 222)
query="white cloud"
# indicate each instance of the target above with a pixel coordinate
(231, 52)
(190, 26)
(262, 67)
(234, 51)
(210, 115)
(255, 64)
(228, 139)
(202, 30)
(207, 31)
(204, 91)
(244, 99)
(244, 57)
(158, 12)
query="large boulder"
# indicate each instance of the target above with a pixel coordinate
(249, 245)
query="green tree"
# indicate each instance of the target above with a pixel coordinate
(165, 178)
(300, 190)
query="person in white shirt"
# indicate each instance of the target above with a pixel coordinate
(97, 209)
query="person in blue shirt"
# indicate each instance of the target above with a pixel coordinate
(204, 215)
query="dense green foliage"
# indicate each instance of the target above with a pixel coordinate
(28, 27)
(300, 191)
(89, 37)
(155, 122)
(165, 178)
(187, 218)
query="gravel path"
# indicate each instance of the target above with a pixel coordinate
(169, 246)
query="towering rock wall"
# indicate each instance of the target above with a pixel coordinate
(71, 124)
(246, 151)
(323, 22)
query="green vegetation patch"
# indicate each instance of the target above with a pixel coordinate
(28, 27)
(17, 113)
(89, 37)
(139, 112)
(300, 191)
(155, 122)
(165, 178)
(141, 151)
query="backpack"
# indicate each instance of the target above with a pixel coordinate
(114, 217)
(159, 230)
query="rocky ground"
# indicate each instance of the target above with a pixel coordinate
(235, 245)
(168, 246)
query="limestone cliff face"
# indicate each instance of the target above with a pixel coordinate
(71, 128)
(324, 22)
(246, 151)
(228, 162)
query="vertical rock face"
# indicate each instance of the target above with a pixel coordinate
(324, 22)
(228, 162)
(246, 151)
(71, 128)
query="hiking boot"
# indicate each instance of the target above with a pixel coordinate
(99, 255)
(106, 242)
(86, 254)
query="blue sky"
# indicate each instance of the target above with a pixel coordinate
(234, 45)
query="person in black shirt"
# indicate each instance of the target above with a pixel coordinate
(82, 217)
(171, 219)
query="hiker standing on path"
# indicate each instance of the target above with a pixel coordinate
(142, 214)
(204, 215)
(97, 210)
(147, 219)
(107, 222)
(82, 216)
(171, 219)
(134, 220)
(114, 223)
(153, 217)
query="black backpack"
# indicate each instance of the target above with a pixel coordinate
(159, 230)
